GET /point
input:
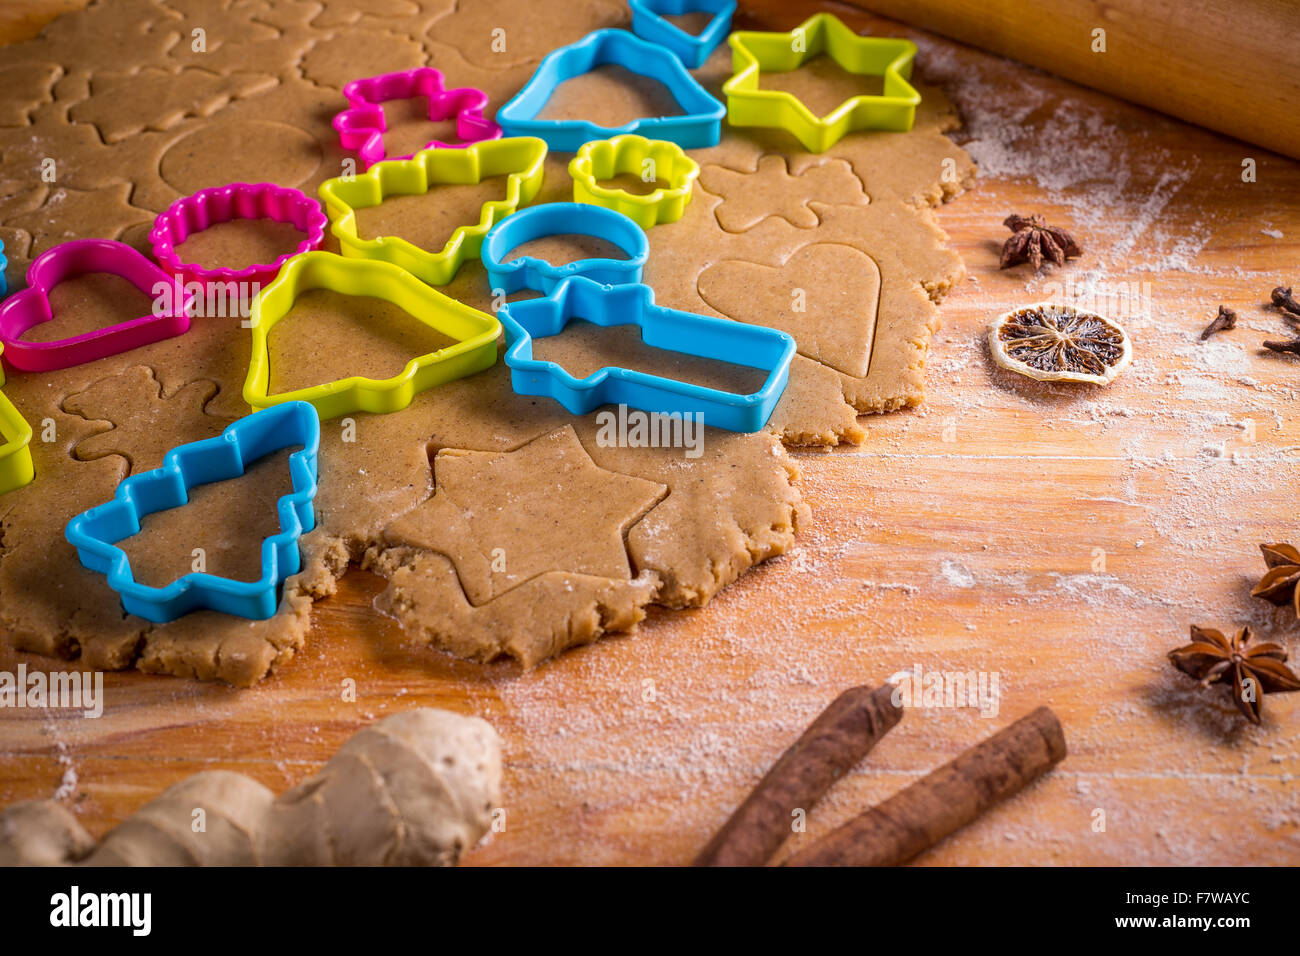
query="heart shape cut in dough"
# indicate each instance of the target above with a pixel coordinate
(826, 295)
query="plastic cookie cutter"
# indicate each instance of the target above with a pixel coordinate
(649, 22)
(475, 333)
(700, 126)
(562, 218)
(24, 310)
(208, 207)
(521, 160)
(4, 264)
(752, 53)
(16, 468)
(95, 533)
(723, 340)
(362, 125)
(630, 154)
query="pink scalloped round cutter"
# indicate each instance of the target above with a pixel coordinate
(30, 307)
(207, 207)
(362, 125)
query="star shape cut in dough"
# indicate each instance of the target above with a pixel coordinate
(506, 517)
(823, 33)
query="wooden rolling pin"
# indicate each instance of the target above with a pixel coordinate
(1230, 65)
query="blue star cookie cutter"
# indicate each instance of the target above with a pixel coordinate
(700, 126)
(723, 340)
(650, 22)
(562, 218)
(95, 533)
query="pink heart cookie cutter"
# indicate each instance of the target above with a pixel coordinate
(362, 125)
(30, 307)
(208, 207)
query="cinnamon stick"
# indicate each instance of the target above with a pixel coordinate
(839, 737)
(949, 798)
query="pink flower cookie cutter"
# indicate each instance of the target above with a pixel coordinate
(208, 207)
(30, 307)
(362, 125)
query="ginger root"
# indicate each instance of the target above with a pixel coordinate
(414, 789)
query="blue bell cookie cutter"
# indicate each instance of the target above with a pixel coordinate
(95, 533)
(562, 218)
(723, 340)
(701, 125)
(650, 22)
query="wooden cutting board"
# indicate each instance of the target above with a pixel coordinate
(1062, 539)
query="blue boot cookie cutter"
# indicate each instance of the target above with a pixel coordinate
(723, 340)
(562, 218)
(95, 533)
(650, 22)
(700, 126)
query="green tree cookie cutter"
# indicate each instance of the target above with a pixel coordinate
(475, 333)
(16, 468)
(889, 58)
(656, 159)
(520, 159)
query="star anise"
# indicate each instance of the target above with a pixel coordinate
(1033, 240)
(1278, 584)
(1212, 658)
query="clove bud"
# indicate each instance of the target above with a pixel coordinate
(1293, 346)
(1283, 300)
(1226, 319)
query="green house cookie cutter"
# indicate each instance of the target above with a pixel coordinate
(753, 53)
(630, 154)
(16, 468)
(520, 159)
(475, 333)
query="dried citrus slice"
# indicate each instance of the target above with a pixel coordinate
(1057, 343)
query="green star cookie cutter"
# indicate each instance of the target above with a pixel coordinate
(475, 333)
(629, 154)
(16, 467)
(753, 53)
(520, 159)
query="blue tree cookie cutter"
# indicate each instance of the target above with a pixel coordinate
(723, 340)
(562, 218)
(95, 533)
(701, 125)
(650, 22)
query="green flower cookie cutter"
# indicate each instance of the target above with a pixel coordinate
(629, 154)
(475, 333)
(16, 468)
(753, 53)
(520, 159)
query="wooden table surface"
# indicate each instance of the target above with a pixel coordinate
(1060, 538)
